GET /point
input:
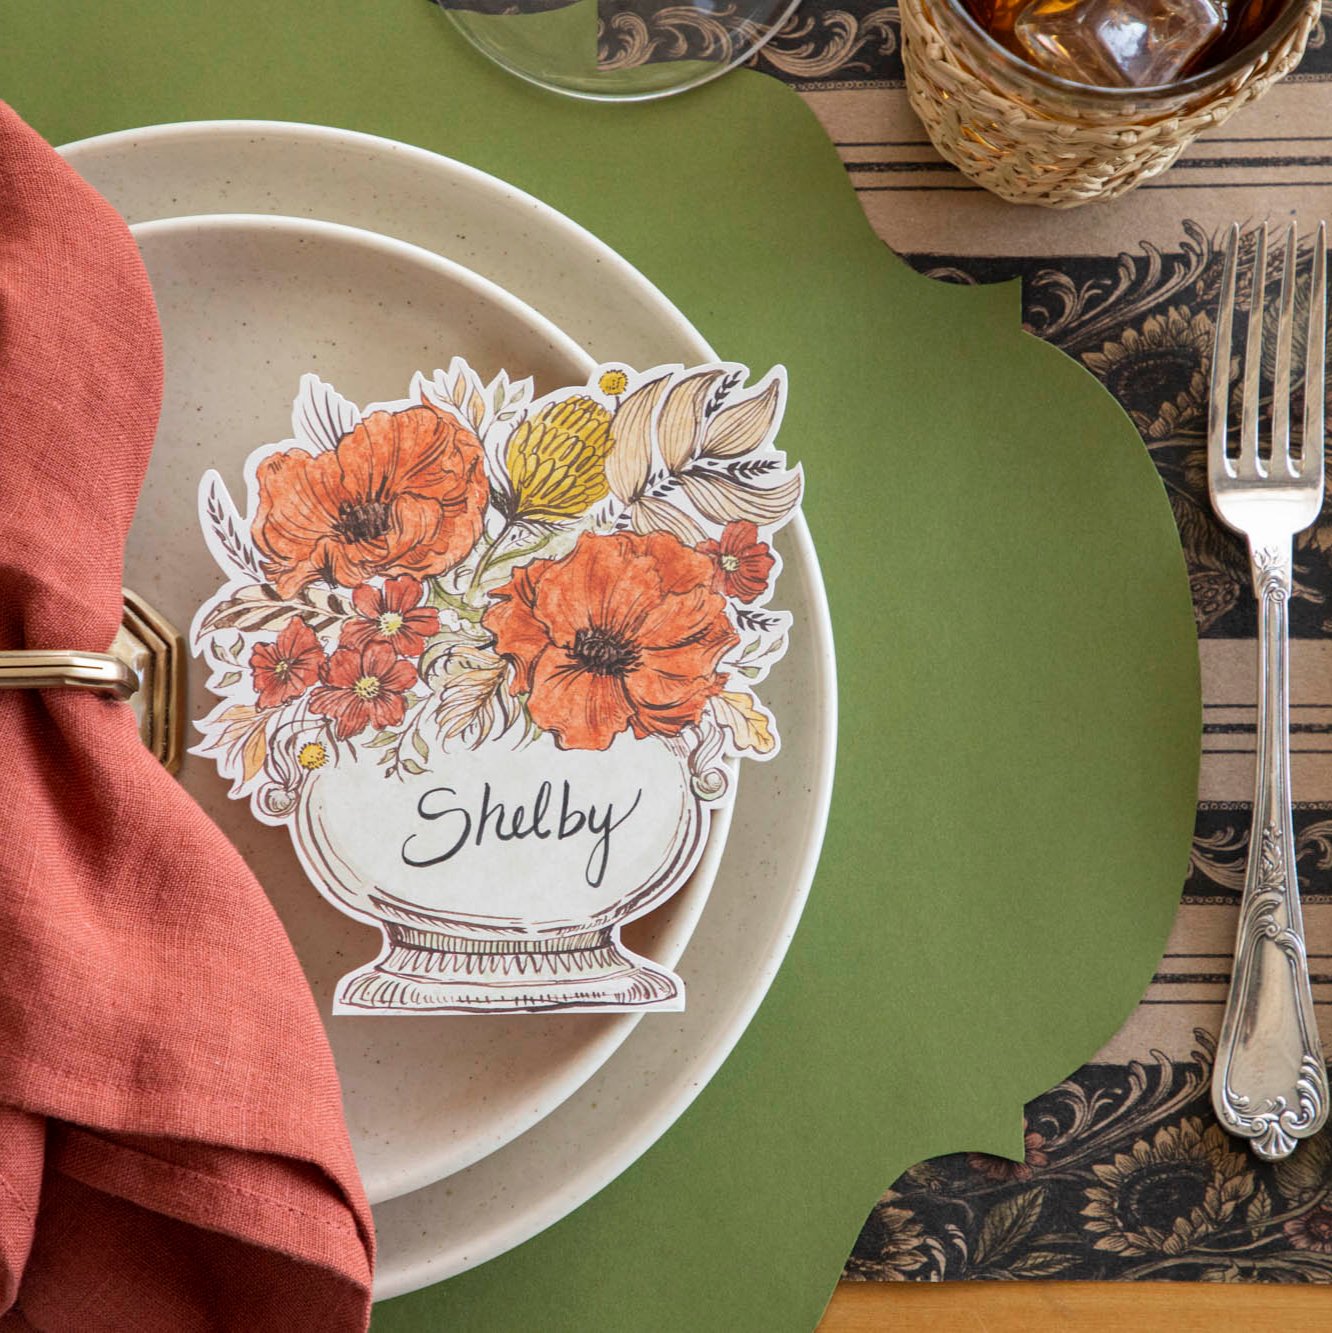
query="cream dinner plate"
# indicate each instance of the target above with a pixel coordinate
(602, 303)
(249, 303)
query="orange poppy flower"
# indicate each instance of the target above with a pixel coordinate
(623, 632)
(742, 562)
(363, 687)
(403, 493)
(285, 669)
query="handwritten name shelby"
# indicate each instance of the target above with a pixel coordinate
(492, 820)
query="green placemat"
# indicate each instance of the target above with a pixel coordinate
(1018, 675)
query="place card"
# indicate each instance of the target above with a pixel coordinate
(493, 661)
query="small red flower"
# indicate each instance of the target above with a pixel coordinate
(285, 669)
(390, 615)
(363, 687)
(742, 562)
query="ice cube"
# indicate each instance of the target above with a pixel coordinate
(1117, 43)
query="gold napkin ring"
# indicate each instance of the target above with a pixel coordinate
(39, 669)
(146, 665)
(155, 653)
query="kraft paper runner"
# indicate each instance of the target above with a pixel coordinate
(1018, 673)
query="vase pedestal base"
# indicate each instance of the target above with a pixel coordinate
(426, 972)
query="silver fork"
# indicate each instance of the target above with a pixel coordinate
(1270, 1082)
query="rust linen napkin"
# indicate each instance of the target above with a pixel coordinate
(173, 1154)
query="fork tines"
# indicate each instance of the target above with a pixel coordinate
(1249, 461)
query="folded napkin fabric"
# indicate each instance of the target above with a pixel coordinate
(173, 1154)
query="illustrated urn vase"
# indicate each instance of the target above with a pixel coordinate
(501, 876)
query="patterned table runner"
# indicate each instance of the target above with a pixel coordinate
(1127, 1175)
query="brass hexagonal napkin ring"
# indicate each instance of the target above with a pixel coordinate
(38, 669)
(146, 665)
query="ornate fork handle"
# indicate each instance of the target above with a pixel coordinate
(1271, 1082)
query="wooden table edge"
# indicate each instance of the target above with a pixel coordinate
(1034, 1307)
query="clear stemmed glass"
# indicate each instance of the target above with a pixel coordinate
(618, 50)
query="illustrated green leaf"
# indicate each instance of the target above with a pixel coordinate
(1008, 1225)
(413, 767)
(227, 681)
(419, 745)
(380, 741)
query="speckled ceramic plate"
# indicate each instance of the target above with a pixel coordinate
(764, 876)
(248, 303)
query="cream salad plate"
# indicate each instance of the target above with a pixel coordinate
(519, 1119)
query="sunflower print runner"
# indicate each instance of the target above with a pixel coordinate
(1126, 1175)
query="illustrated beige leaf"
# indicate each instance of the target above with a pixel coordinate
(630, 457)
(1008, 1225)
(450, 640)
(680, 425)
(254, 753)
(476, 410)
(321, 417)
(327, 602)
(1039, 1263)
(459, 392)
(744, 717)
(239, 713)
(258, 606)
(723, 499)
(651, 515)
(741, 429)
(1258, 1211)
(1301, 1175)
(474, 699)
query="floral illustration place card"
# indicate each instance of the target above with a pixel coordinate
(493, 663)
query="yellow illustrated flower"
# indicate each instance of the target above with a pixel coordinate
(613, 383)
(312, 756)
(557, 460)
